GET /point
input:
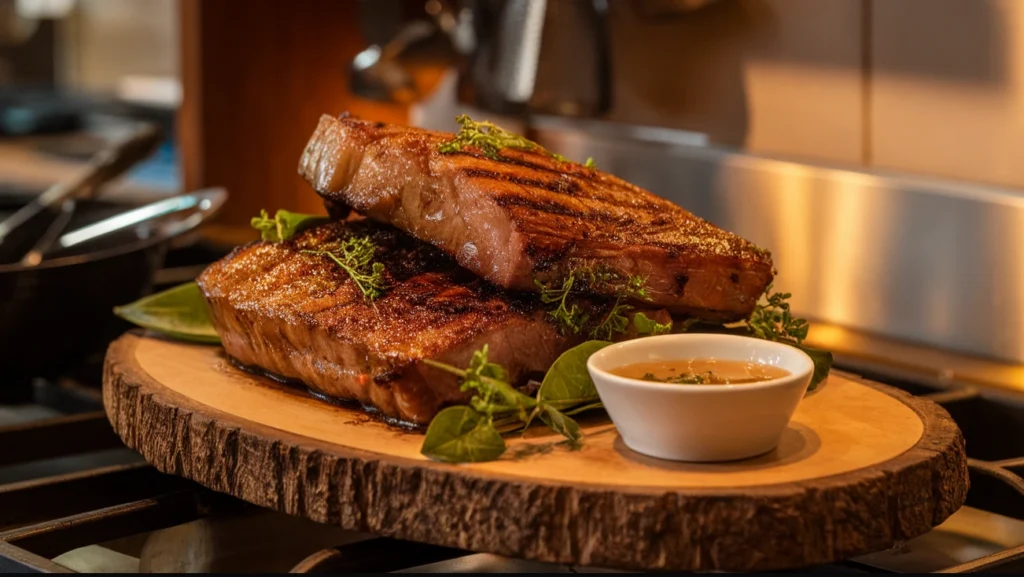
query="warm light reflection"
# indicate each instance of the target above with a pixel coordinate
(793, 236)
(1014, 314)
(847, 217)
(918, 359)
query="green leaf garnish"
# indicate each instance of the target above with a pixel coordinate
(284, 225)
(615, 322)
(772, 321)
(490, 138)
(180, 312)
(499, 407)
(568, 383)
(561, 423)
(822, 364)
(462, 435)
(355, 256)
(646, 326)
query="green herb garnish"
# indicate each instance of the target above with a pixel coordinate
(355, 257)
(461, 435)
(473, 433)
(615, 322)
(599, 322)
(490, 138)
(683, 379)
(570, 317)
(822, 364)
(284, 225)
(646, 326)
(180, 312)
(567, 383)
(773, 321)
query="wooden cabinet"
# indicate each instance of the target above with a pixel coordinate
(256, 77)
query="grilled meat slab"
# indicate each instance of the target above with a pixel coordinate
(301, 316)
(527, 216)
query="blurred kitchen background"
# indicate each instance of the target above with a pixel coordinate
(873, 145)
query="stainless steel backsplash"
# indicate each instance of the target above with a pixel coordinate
(925, 260)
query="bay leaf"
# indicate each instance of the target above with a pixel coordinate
(180, 312)
(561, 423)
(461, 435)
(568, 383)
(648, 326)
(822, 365)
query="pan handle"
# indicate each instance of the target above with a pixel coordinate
(210, 203)
(201, 204)
(106, 165)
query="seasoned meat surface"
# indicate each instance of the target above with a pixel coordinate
(301, 316)
(526, 216)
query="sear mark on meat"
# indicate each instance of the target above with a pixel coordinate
(301, 317)
(517, 213)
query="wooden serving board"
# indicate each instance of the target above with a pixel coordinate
(861, 467)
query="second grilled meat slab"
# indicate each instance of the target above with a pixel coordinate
(525, 216)
(300, 315)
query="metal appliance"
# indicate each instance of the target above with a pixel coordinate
(514, 56)
(910, 258)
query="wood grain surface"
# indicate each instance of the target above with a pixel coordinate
(861, 467)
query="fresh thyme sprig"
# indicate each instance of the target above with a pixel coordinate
(485, 136)
(773, 321)
(490, 138)
(607, 322)
(355, 257)
(570, 317)
(284, 225)
(491, 392)
(473, 433)
(615, 322)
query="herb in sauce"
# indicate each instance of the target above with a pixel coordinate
(701, 372)
(684, 379)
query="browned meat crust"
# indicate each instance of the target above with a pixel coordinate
(527, 216)
(300, 316)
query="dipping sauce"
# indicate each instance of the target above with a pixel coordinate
(700, 372)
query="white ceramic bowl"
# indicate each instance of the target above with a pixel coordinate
(700, 422)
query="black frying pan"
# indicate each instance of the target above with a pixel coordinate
(59, 311)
